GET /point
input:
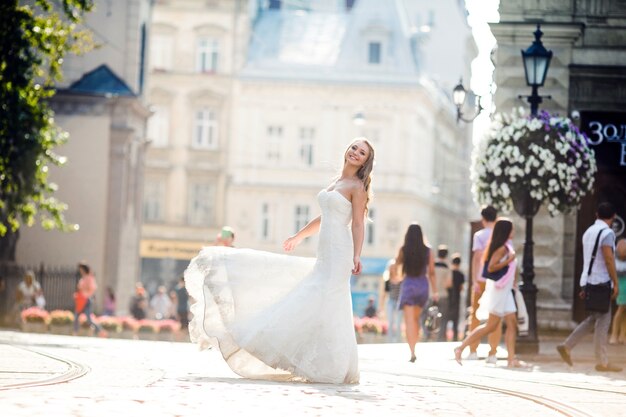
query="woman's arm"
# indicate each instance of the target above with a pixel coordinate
(359, 200)
(431, 276)
(310, 229)
(496, 265)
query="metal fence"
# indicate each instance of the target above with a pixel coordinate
(58, 284)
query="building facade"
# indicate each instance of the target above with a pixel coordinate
(196, 48)
(99, 103)
(255, 102)
(586, 80)
(315, 78)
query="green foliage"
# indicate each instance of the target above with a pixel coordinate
(34, 39)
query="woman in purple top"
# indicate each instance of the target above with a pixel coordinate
(418, 267)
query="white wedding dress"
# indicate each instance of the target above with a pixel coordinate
(278, 316)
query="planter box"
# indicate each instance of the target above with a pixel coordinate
(367, 337)
(34, 327)
(85, 331)
(65, 329)
(167, 336)
(147, 336)
(124, 334)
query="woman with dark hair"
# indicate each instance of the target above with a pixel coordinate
(418, 268)
(497, 302)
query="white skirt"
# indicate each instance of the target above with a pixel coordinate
(496, 301)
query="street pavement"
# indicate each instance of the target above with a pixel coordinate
(52, 375)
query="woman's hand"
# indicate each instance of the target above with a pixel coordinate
(357, 265)
(291, 243)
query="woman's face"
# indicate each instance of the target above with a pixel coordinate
(512, 234)
(357, 153)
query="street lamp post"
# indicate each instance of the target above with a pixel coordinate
(458, 96)
(536, 63)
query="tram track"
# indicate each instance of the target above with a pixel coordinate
(556, 406)
(74, 370)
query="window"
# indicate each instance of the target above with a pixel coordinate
(207, 55)
(374, 52)
(370, 232)
(204, 130)
(201, 204)
(153, 194)
(301, 217)
(307, 138)
(274, 142)
(159, 127)
(265, 221)
(161, 48)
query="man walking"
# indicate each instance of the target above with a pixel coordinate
(443, 277)
(481, 238)
(598, 269)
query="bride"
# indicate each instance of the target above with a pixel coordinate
(285, 317)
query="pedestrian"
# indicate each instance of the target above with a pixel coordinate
(160, 303)
(85, 290)
(618, 335)
(479, 243)
(182, 307)
(443, 276)
(139, 303)
(598, 283)
(171, 314)
(418, 267)
(454, 295)
(370, 310)
(226, 237)
(28, 292)
(109, 302)
(389, 299)
(291, 313)
(497, 302)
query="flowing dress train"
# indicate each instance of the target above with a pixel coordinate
(276, 316)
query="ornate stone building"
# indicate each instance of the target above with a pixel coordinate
(587, 80)
(279, 88)
(100, 104)
(196, 48)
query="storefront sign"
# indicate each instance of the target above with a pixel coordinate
(174, 249)
(607, 136)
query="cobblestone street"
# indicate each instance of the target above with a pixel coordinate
(74, 376)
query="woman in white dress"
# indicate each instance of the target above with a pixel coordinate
(285, 317)
(497, 302)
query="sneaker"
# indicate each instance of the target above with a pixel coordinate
(608, 368)
(473, 356)
(491, 359)
(564, 352)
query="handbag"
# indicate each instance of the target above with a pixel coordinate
(80, 302)
(433, 319)
(494, 275)
(597, 296)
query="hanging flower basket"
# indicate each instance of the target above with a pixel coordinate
(525, 162)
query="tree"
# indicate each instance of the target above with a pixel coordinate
(34, 39)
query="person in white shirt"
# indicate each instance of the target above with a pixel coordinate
(488, 217)
(598, 269)
(161, 304)
(28, 291)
